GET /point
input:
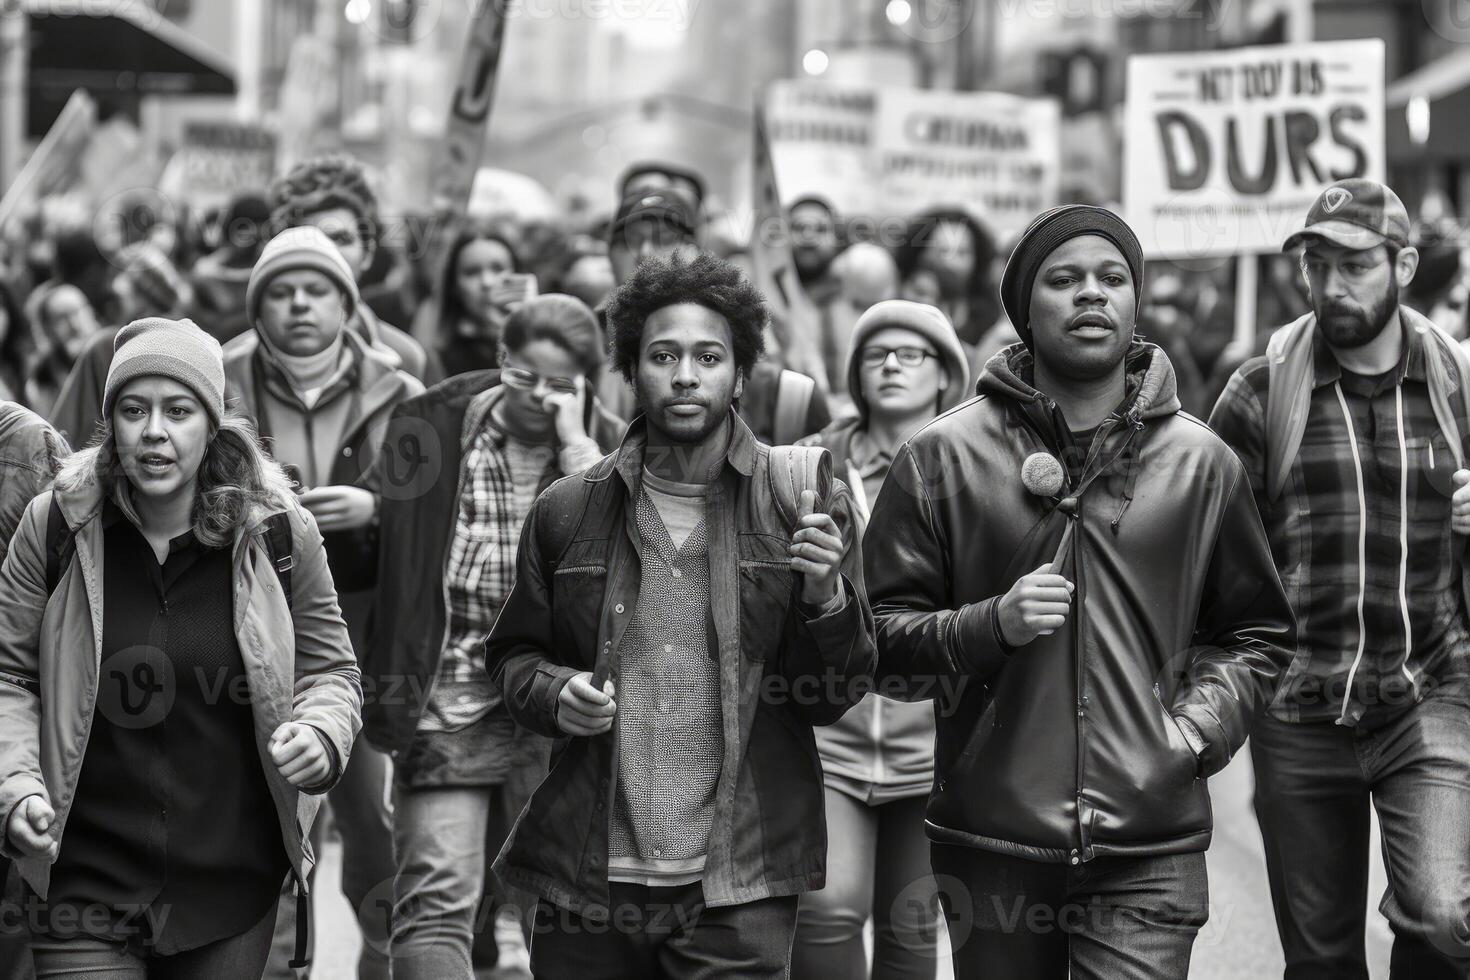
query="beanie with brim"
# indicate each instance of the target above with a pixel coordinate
(926, 321)
(1047, 232)
(176, 349)
(302, 247)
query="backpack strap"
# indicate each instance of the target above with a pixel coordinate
(278, 546)
(793, 402)
(61, 543)
(797, 468)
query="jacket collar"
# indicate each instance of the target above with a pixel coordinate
(628, 460)
(1326, 369)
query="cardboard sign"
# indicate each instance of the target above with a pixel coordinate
(1224, 151)
(821, 139)
(997, 156)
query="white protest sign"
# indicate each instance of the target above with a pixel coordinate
(995, 155)
(821, 139)
(1224, 151)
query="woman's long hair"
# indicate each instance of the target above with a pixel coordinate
(451, 309)
(236, 477)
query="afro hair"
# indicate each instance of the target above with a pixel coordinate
(705, 280)
(323, 184)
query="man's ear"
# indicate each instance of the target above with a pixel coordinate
(739, 385)
(1406, 266)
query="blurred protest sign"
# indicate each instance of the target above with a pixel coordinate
(453, 173)
(219, 160)
(821, 138)
(1226, 150)
(795, 321)
(55, 164)
(308, 95)
(995, 155)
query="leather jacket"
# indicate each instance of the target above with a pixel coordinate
(1068, 748)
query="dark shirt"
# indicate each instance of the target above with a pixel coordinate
(173, 841)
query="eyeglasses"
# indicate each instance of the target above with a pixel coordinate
(907, 356)
(521, 378)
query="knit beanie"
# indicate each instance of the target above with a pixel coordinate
(926, 321)
(302, 247)
(175, 349)
(1046, 233)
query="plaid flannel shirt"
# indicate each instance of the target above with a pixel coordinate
(1361, 537)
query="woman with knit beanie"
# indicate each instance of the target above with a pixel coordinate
(322, 398)
(905, 365)
(176, 683)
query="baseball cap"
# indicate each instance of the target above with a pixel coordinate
(668, 206)
(1356, 213)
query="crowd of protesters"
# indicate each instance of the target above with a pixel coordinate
(484, 545)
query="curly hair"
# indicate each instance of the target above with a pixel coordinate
(322, 184)
(706, 280)
(235, 477)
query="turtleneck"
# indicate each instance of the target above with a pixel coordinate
(308, 374)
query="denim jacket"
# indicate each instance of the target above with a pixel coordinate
(782, 670)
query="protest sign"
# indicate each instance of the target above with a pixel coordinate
(1226, 150)
(54, 164)
(219, 159)
(997, 156)
(458, 159)
(822, 142)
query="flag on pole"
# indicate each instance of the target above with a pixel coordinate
(795, 320)
(56, 160)
(469, 113)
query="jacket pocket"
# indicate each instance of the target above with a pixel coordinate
(576, 597)
(765, 602)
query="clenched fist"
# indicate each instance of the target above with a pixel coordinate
(1037, 605)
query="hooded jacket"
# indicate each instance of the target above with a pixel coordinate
(372, 388)
(1067, 749)
(882, 743)
(297, 658)
(30, 452)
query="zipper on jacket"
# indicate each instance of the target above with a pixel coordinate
(1080, 678)
(1347, 417)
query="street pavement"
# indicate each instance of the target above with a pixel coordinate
(1238, 943)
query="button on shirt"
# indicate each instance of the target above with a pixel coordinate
(173, 830)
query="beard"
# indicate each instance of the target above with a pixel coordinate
(1348, 326)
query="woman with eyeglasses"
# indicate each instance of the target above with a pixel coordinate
(321, 399)
(906, 365)
(464, 769)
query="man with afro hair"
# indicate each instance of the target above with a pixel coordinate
(664, 589)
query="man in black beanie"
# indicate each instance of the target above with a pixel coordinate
(1082, 564)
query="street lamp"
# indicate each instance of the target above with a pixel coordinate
(815, 61)
(358, 11)
(898, 12)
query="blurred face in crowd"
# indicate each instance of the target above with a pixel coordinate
(813, 238)
(922, 287)
(1448, 314)
(901, 374)
(686, 377)
(1355, 292)
(302, 312)
(68, 319)
(531, 374)
(344, 228)
(480, 267)
(642, 239)
(950, 254)
(1083, 309)
(161, 432)
(590, 279)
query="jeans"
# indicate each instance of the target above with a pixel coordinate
(241, 957)
(444, 840)
(1314, 784)
(15, 938)
(878, 866)
(1112, 918)
(360, 805)
(665, 934)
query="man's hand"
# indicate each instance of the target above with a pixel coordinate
(568, 410)
(29, 830)
(582, 709)
(1460, 503)
(300, 755)
(340, 508)
(816, 552)
(1037, 605)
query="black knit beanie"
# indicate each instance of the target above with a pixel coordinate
(1043, 236)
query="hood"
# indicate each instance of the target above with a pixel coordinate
(1151, 389)
(951, 352)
